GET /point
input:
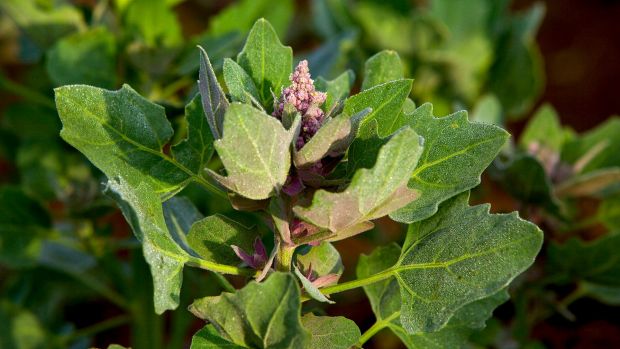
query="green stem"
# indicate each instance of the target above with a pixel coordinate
(374, 329)
(96, 328)
(284, 259)
(220, 268)
(345, 286)
(26, 93)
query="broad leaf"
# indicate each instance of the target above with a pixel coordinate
(84, 58)
(240, 85)
(337, 90)
(265, 315)
(123, 135)
(331, 332)
(372, 193)
(208, 338)
(255, 152)
(213, 236)
(385, 100)
(266, 60)
(456, 151)
(544, 129)
(383, 67)
(445, 265)
(385, 299)
(214, 101)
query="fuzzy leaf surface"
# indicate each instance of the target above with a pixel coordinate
(373, 192)
(255, 152)
(445, 265)
(456, 151)
(265, 315)
(240, 85)
(331, 332)
(214, 102)
(383, 67)
(266, 60)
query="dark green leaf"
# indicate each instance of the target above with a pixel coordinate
(330, 332)
(265, 315)
(337, 90)
(195, 151)
(208, 338)
(456, 151)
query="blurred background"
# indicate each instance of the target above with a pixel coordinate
(73, 276)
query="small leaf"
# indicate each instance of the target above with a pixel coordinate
(385, 100)
(265, 315)
(331, 332)
(456, 152)
(310, 289)
(333, 138)
(324, 259)
(266, 60)
(213, 236)
(214, 102)
(255, 152)
(84, 58)
(445, 265)
(383, 67)
(195, 151)
(544, 129)
(337, 90)
(240, 85)
(372, 193)
(208, 338)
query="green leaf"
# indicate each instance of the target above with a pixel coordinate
(214, 101)
(609, 212)
(589, 184)
(363, 152)
(324, 259)
(544, 129)
(596, 262)
(445, 265)
(337, 90)
(330, 332)
(212, 237)
(240, 85)
(372, 193)
(600, 144)
(488, 110)
(310, 289)
(124, 135)
(456, 151)
(333, 138)
(266, 60)
(195, 151)
(179, 214)
(385, 299)
(155, 22)
(383, 67)
(84, 58)
(265, 315)
(240, 16)
(255, 152)
(385, 100)
(208, 338)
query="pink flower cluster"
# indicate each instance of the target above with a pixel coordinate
(302, 95)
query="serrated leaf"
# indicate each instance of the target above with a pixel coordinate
(123, 135)
(604, 139)
(255, 152)
(385, 100)
(337, 89)
(333, 138)
(240, 85)
(456, 151)
(208, 338)
(385, 299)
(84, 58)
(383, 67)
(372, 193)
(213, 236)
(265, 315)
(544, 129)
(445, 265)
(595, 262)
(331, 332)
(266, 60)
(214, 102)
(195, 151)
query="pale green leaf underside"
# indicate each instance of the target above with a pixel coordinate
(266, 60)
(446, 264)
(240, 85)
(373, 192)
(330, 332)
(456, 152)
(255, 150)
(265, 315)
